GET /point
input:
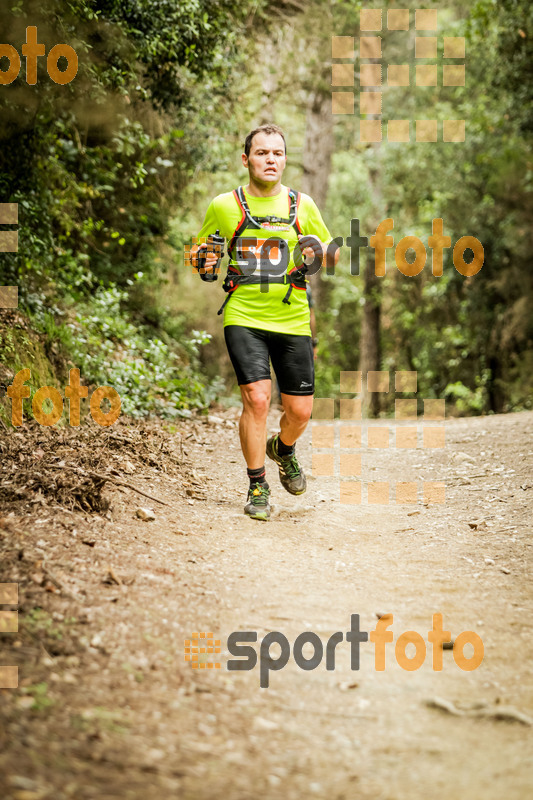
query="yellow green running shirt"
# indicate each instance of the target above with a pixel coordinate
(247, 305)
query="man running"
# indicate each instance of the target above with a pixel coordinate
(266, 316)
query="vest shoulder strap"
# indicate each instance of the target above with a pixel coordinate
(294, 204)
(249, 221)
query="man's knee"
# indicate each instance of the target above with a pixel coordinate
(256, 399)
(298, 411)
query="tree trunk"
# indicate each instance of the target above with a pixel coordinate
(494, 387)
(318, 149)
(370, 354)
(270, 60)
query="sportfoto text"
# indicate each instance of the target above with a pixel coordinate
(74, 391)
(380, 242)
(380, 636)
(32, 50)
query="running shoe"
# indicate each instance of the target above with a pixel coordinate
(291, 474)
(258, 506)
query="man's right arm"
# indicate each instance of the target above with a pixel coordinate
(210, 225)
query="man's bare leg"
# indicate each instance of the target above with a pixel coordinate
(296, 414)
(252, 425)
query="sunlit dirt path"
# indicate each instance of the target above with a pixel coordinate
(123, 715)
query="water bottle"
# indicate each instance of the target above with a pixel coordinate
(215, 244)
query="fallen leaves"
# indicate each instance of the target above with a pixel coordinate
(72, 466)
(111, 577)
(478, 526)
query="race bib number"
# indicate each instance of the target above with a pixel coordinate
(262, 256)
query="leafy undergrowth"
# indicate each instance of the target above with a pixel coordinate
(154, 372)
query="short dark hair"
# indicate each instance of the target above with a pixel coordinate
(268, 128)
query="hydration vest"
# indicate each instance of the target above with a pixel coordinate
(295, 278)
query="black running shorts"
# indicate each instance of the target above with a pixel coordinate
(291, 356)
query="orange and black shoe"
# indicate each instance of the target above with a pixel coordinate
(291, 474)
(258, 506)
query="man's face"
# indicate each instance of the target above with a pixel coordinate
(267, 158)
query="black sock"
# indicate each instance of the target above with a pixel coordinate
(284, 449)
(257, 476)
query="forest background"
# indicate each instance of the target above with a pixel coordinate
(113, 173)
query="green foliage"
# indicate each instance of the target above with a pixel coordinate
(464, 400)
(93, 165)
(151, 376)
(22, 349)
(470, 339)
(176, 41)
(113, 173)
(39, 622)
(39, 693)
(98, 165)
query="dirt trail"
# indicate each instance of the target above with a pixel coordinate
(108, 708)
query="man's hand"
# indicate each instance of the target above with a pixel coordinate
(211, 258)
(315, 249)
